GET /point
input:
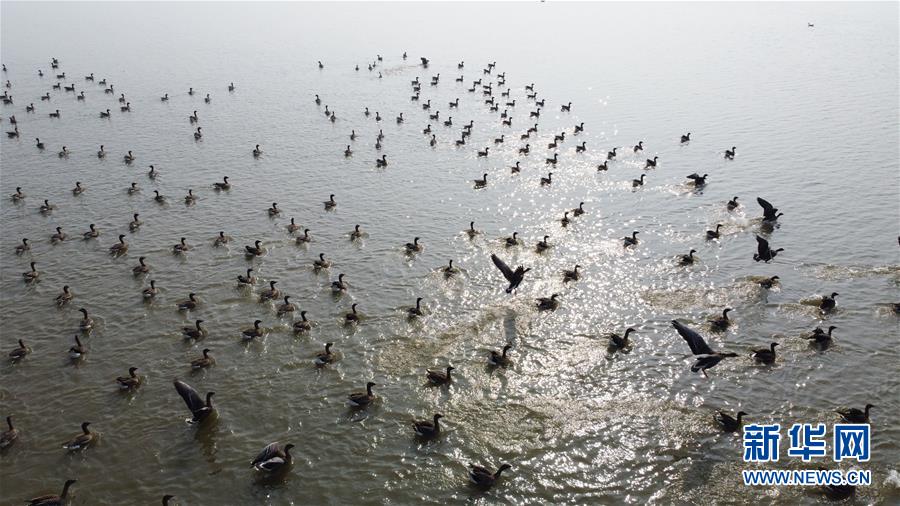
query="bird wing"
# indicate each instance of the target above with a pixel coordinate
(190, 396)
(507, 272)
(768, 209)
(694, 339)
(762, 247)
(273, 449)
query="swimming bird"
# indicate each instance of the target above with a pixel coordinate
(449, 270)
(193, 118)
(126, 107)
(619, 342)
(611, 155)
(439, 377)
(603, 167)
(356, 234)
(274, 211)
(199, 410)
(638, 182)
(22, 248)
(481, 183)
(571, 275)
(729, 153)
(330, 203)
(428, 428)
(286, 307)
(381, 162)
(698, 179)
(413, 247)
(769, 211)
(763, 252)
(630, 241)
(305, 238)
(104, 114)
(198, 134)
(855, 415)
(53, 499)
(135, 223)
(274, 457)
(270, 293)
(732, 204)
(321, 263)
(221, 239)
(181, 247)
(768, 283)
(38, 143)
(325, 357)
(152, 175)
(246, 280)
(190, 304)
(721, 323)
(32, 275)
(820, 336)
(651, 164)
(77, 351)
(687, 259)
(483, 477)
(224, 185)
(727, 422)
(253, 332)
(64, 153)
(548, 303)
(150, 291)
(10, 435)
(545, 181)
(415, 311)
(190, 198)
(20, 352)
(46, 207)
(82, 440)
(130, 382)
(352, 316)
(713, 234)
(686, 137)
(158, 197)
(638, 147)
(828, 303)
(65, 297)
(59, 236)
(18, 195)
(548, 161)
(164, 98)
(257, 151)
(255, 250)
(362, 399)
(348, 151)
(765, 355)
(196, 332)
(500, 358)
(204, 361)
(707, 357)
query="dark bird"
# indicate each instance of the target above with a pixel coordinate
(571, 275)
(499, 358)
(325, 357)
(630, 241)
(8, 437)
(686, 137)
(619, 342)
(81, 441)
(770, 213)
(428, 428)
(204, 361)
(729, 153)
(763, 252)
(199, 409)
(195, 332)
(514, 277)
(483, 477)
(707, 357)
(53, 499)
(765, 355)
(820, 336)
(548, 303)
(727, 422)
(362, 399)
(855, 415)
(768, 283)
(733, 204)
(713, 234)
(698, 179)
(720, 323)
(688, 259)
(273, 457)
(828, 303)
(130, 382)
(439, 377)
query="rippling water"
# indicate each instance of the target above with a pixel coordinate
(813, 113)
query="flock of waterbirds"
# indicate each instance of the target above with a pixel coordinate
(276, 457)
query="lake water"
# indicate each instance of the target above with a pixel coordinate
(813, 112)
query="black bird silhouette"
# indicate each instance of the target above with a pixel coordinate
(707, 357)
(514, 277)
(770, 213)
(763, 252)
